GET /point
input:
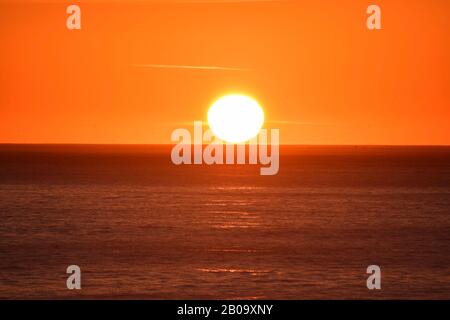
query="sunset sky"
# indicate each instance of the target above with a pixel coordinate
(139, 69)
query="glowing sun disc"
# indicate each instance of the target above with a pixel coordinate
(235, 118)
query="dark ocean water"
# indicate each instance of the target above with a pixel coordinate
(141, 227)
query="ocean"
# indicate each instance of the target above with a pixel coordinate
(139, 226)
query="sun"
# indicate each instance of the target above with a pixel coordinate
(235, 118)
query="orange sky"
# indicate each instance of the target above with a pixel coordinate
(320, 75)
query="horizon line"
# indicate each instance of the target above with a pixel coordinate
(172, 144)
